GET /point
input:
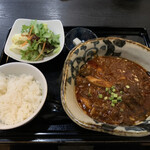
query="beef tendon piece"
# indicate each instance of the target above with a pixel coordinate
(86, 102)
(99, 82)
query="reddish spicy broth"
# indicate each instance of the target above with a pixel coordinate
(114, 90)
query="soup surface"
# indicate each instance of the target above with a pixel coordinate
(114, 90)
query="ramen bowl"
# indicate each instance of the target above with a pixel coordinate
(77, 57)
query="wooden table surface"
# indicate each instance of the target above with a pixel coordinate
(102, 13)
(111, 13)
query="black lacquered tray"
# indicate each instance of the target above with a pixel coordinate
(52, 125)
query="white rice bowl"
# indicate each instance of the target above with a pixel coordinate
(23, 91)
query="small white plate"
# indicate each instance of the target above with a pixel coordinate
(54, 25)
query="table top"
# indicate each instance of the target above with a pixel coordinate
(111, 13)
(95, 13)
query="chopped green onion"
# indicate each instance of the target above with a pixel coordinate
(105, 98)
(100, 96)
(112, 104)
(127, 86)
(111, 98)
(106, 89)
(113, 90)
(115, 95)
(119, 98)
(112, 87)
(112, 93)
(114, 101)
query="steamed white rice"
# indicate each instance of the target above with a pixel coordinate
(19, 97)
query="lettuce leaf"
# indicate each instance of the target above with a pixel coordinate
(44, 35)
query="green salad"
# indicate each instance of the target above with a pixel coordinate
(35, 42)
